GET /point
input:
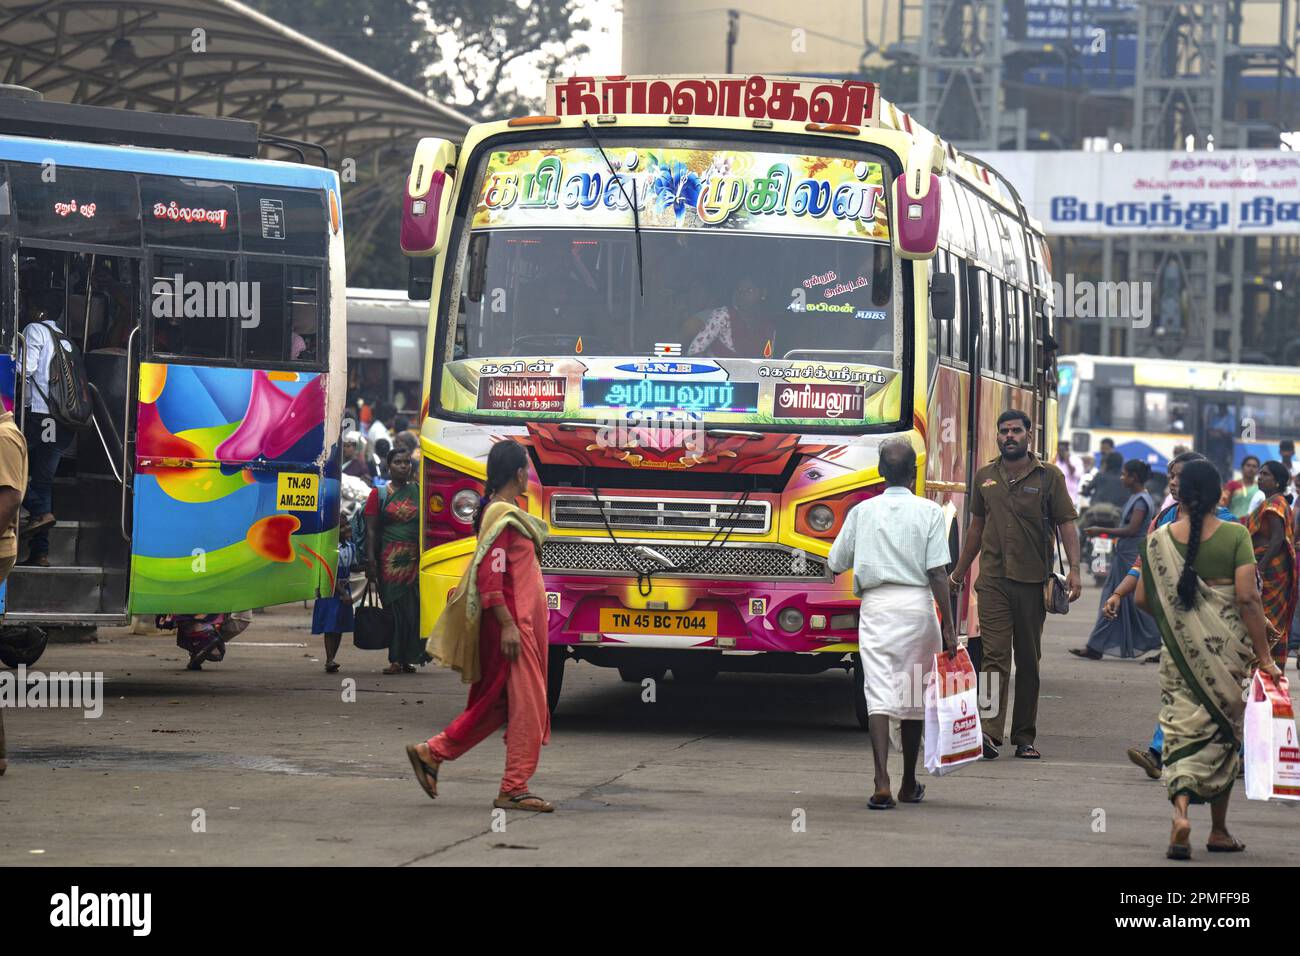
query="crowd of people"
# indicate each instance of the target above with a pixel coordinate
(1209, 582)
(378, 534)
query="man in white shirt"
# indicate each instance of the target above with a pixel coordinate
(897, 546)
(384, 415)
(46, 441)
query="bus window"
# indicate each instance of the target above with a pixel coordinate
(1013, 334)
(1115, 408)
(994, 352)
(939, 331)
(189, 212)
(1027, 340)
(192, 321)
(78, 205)
(957, 330)
(407, 366)
(289, 222)
(288, 324)
(1266, 413)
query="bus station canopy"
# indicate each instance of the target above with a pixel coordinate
(149, 55)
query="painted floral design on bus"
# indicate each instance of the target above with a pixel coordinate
(215, 527)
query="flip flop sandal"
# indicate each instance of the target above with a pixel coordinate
(332, 668)
(423, 772)
(916, 797)
(990, 748)
(1027, 752)
(1179, 851)
(392, 669)
(516, 802)
(35, 525)
(1235, 847)
(887, 804)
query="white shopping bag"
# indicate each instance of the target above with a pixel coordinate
(953, 735)
(1272, 752)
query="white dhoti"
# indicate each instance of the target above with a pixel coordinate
(898, 636)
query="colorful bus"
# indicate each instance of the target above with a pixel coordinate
(204, 288)
(702, 304)
(1149, 406)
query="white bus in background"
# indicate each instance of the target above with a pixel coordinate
(1148, 406)
(386, 348)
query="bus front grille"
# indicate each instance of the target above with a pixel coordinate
(750, 563)
(658, 514)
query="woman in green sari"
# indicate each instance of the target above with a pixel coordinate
(393, 557)
(1198, 582)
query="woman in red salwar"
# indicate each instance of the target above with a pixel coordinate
(505, 582)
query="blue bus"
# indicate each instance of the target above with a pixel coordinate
(204, 288)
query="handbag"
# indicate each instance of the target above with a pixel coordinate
(373, 626)
(1056, 589)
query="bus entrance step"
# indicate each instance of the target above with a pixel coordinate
(64, 590)
(86, 544)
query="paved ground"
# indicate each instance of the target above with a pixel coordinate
(286, 772)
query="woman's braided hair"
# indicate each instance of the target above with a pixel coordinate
(503, 463)
(1198, 491)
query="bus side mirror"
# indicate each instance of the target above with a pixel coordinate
(943, 296)
(914, 212)
(426, 207)
(419, 280)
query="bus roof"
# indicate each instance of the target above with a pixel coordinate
(1196, 376)
(164, 162)
(77, 123)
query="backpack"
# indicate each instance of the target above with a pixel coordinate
(358, 524)
(69, 396)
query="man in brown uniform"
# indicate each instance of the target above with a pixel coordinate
(1010, 504)
(13, 484)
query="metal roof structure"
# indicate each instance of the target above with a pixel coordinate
(222, 58)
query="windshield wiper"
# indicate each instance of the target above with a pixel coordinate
(636, 217)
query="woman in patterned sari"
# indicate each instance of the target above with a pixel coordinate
(392, 559)
(1269, 525)
(1198, 582)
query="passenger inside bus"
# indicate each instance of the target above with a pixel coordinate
(739, 328)
(47, 440)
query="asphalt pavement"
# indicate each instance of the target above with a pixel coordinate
(265, 759)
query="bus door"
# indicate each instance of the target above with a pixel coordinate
(231, 505)
(1218, 426)
(76, 571)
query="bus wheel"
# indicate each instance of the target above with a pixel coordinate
(22, 645)
(859, 692)
(555, 675)
(635, 675)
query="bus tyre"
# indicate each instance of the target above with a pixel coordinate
(859, 692)
(555, 675)
(22, 645)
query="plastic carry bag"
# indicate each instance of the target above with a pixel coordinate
(953, 736)
(1272, 752)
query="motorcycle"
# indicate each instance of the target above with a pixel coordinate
(1097, 549)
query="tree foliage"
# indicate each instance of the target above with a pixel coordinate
(465, 53)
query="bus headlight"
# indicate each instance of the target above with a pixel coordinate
(463, 505)
(790, 620)
(820, 518)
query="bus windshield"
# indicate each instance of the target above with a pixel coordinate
(762, 291)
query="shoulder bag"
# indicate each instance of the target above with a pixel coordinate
(1056, 589)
